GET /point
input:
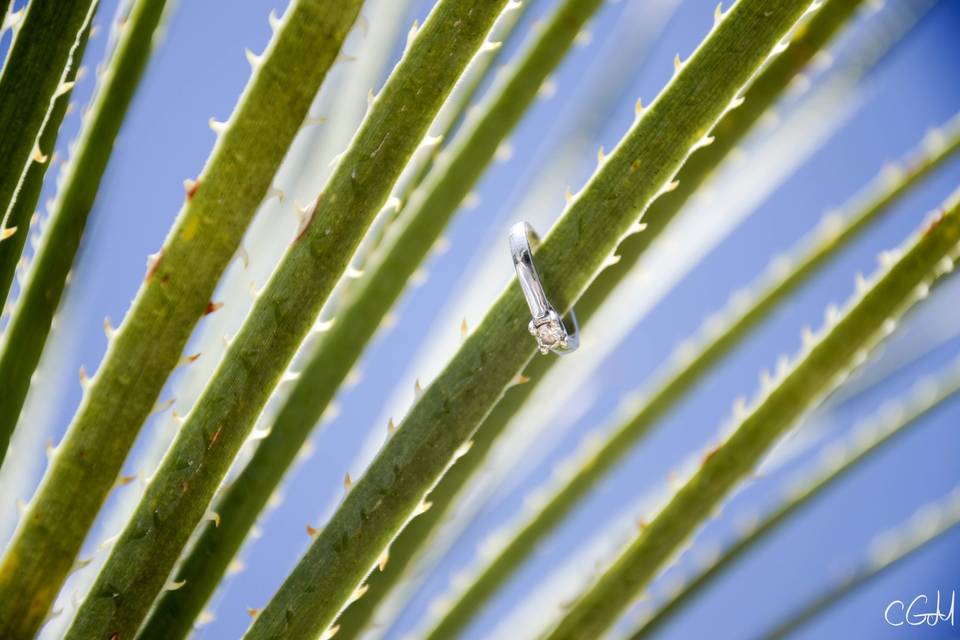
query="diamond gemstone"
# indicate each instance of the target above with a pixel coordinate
(550, 335)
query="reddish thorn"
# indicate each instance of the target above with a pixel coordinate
(308, 218)
(933, 223)
(155, 261)
(211, 307)
(709, 454)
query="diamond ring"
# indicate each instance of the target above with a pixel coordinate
(547, 326)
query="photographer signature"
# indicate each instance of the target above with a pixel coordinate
(920, 611)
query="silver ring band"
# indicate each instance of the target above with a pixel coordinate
(546, 326)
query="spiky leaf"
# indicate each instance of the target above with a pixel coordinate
(575, 250)
(819, 369)
(284, 313)
(695, 361)
(26, 334)
(47, 46)
(175, 294)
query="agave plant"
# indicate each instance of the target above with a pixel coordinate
(287, 309)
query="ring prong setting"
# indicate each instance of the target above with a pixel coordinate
(549, 332)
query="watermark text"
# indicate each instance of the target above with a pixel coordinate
(922, 610)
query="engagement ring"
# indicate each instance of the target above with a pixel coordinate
(546, 326)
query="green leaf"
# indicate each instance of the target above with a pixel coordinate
(457, 106)
(822, 365)
(609, 74)
(606, 85)
(27, 332)
(786, 275)
(176, 293)
(878, 431)
(442, 421)
(20, 216)
(357, 316)
(768, 85)
(35, 73)
(283, 315)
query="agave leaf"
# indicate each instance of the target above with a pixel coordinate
(889, 550)
(695, 360)
(733, 192)
(178, 495)
(563, 152)
(893, 420)
(760, 95)
(27, 332)
(606, 86)
(822, 365)
(577, 248)
(447, 123)
(333, 110)
(175, 294)
(453, 114)
(20, 217)
(16, 229)
(334, 116)
(47, 46)
(357, 316)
